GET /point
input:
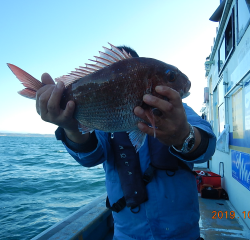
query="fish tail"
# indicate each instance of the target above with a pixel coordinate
(31, 84)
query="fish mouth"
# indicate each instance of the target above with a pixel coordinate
(185, 95)
(188, 84)
(188, 87)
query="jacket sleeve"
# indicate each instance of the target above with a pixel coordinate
(93, 158)
(195, 120)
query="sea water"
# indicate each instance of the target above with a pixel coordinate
(41, 184)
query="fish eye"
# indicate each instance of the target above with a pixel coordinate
(172, 76)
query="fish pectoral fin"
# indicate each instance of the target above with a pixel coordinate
(137, 138)
(83, 129)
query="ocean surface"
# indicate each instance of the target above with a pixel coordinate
(41, 184)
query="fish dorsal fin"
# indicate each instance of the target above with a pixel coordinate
(106, 58)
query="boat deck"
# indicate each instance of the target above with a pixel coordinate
(217, 227)
(94, 221)
(216, 223)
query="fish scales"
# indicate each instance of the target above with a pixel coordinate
(106, 100)
(106, 94)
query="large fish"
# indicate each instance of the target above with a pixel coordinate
(106, 92)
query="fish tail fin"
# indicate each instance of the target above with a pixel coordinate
(31, 84)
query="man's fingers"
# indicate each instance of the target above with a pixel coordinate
(149, 130)
(145, 128)
(140, 112)
(168, 92)
(67, 118)
(69, 110)
(162, 105)
(39, 93)
(147, 116)
(55, 98)
(43, 102)
(47, 79)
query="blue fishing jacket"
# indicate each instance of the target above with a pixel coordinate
(172, 208)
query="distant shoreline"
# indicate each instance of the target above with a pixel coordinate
(2, 134)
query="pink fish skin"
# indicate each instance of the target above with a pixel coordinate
(106, 95)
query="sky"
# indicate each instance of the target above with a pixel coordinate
(58, 36)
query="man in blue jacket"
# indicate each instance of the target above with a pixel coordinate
(152, 193)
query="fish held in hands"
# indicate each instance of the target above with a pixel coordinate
(107, 91)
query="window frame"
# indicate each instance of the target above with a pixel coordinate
(223, 39)
(240, 36)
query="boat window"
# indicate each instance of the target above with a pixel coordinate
(222, 55)
(227, 43)
(211, 112)
(237, 115)
(221, 92)
(229, 36)
(243, 17)
(221, 106)
(215, 111)
(221, 111)
(247, 108)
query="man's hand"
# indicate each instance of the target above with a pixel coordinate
(172, 125)
(48, 107)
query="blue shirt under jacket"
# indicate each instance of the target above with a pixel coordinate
(172, 209)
